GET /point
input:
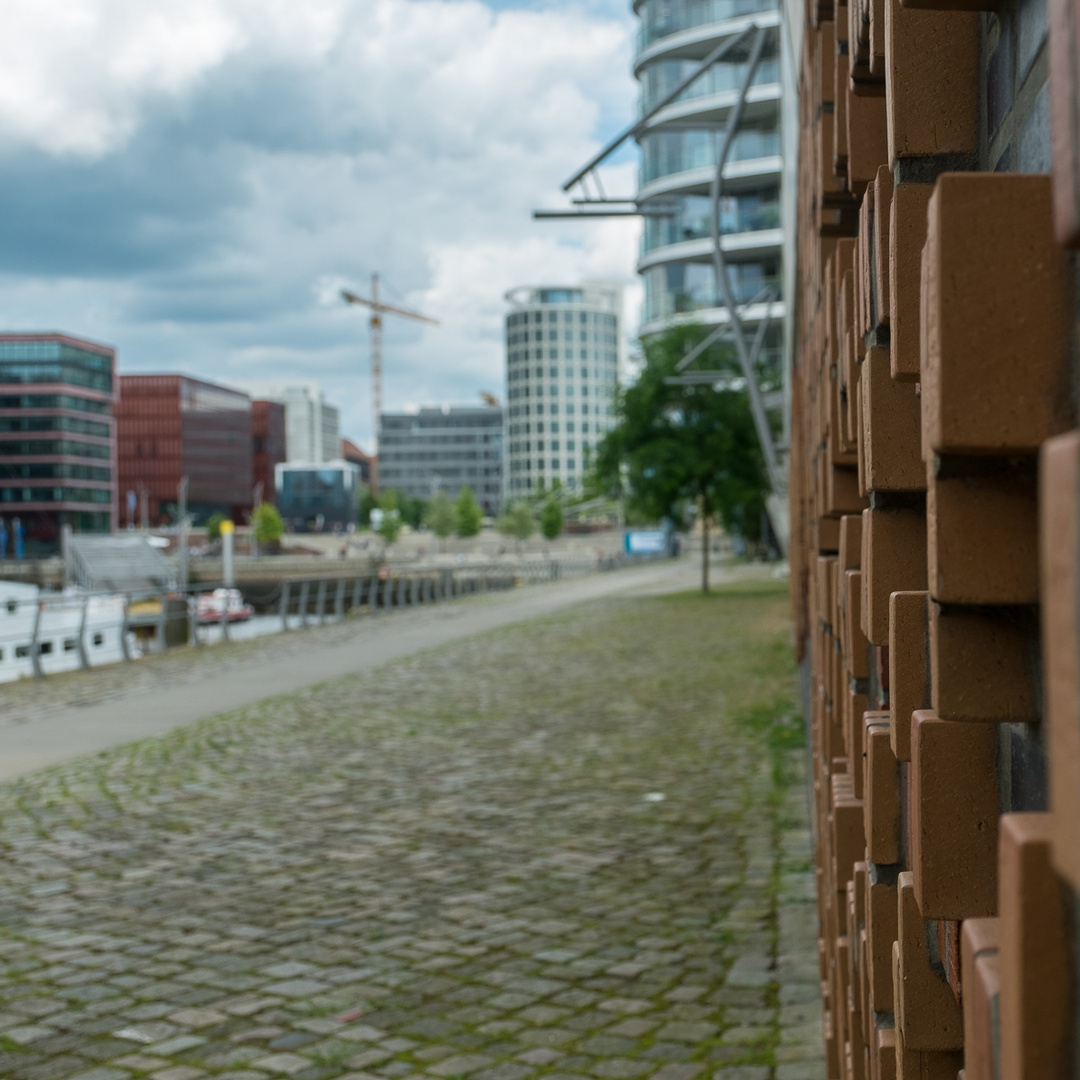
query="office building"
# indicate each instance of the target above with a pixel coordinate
(562, 357)
(57, 439)
(319, 498)
(311, 425)
(680, 150)
(170, 427)
(444, 449)
(267, 445)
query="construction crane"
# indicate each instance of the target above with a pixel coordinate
(378, 309)
(490, 400)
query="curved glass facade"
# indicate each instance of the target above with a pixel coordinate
(678, 158)
(562, 355)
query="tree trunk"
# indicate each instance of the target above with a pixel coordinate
(704, 552)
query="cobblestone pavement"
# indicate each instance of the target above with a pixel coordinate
(577, 847)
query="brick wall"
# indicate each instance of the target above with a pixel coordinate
(935, 509)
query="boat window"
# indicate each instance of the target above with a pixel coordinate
(22, 651)
(12, 606)
(70, 644)
(99, 638)
(45, 648)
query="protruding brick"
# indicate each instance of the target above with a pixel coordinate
(979, 967)
(1035, 954)
(981, 666)
(827, 534)
(842, 494)
(891, 428)
(881, 928)
(931, 82)
(895, 542)
(881, 792)
(883, 1055)
(868, 140)
(909, 667)
(928, 1017)
(996, 372)
(953, 812)
(907, 235)
(856, 647)
(1059, 508)
(982, 539)
(883, 193)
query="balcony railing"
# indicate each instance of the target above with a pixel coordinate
(659, 79)
(660, 232)
(661, 18)
(668, 160)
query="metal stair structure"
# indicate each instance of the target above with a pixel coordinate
(116, 563)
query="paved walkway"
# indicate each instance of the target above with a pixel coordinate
(66, 716)
(552, 850)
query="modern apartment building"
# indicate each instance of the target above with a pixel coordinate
(172, 426)
(444, 449)
(562, 358)
(680, 149)
(311, 425)
(57, 439)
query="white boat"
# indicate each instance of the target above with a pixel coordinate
(56, 621)
(223, 604)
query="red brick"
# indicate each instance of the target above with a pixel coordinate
(1035, 954)
(952, 817)
(881, 929)
(881, 793)
(979, 966)
(891, 428)
(907, 235)
(1064, 49)
(996, 372)
(883, 192)
(909, 669)
(856, 647)
(982, 540)
(895, 543)
(928, 1016)
(931, 82)
(1059, 508)
(981, 667)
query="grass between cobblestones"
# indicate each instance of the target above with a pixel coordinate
(577, 847)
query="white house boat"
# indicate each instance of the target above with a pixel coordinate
(59, 619)
(223, 604)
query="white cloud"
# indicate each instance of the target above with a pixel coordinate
(240, 160)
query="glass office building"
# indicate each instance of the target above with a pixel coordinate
(680, 148)
(562, 360)
(57, 439)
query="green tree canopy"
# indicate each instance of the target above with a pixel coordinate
(441, 516)
(679, 445)
(213, 525)
(517, 521)
(469, 515)
(551, 517)
(391, 525)
(267, 523)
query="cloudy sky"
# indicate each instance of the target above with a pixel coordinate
(193, 181)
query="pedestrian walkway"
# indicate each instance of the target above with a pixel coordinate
(572, 847)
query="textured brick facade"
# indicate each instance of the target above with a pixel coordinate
(935, 510)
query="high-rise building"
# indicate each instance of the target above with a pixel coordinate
(57, 438)
(172, 426)
(311, 425)
(680, 149)
(562, 360)
(444, 449)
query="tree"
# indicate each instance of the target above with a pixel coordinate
(267, 523)
(441, 516)
(213, 525)
(391, 524)
(551, 517)
(680, 445)
(517, 521)
(469, 515)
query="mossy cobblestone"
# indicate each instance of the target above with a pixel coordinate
(576, 848)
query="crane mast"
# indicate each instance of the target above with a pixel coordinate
(378, 309)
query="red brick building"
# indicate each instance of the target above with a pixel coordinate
(267, 444)
(172, 426)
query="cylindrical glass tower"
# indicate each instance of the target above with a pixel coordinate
(680, 149)
(562, 353)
